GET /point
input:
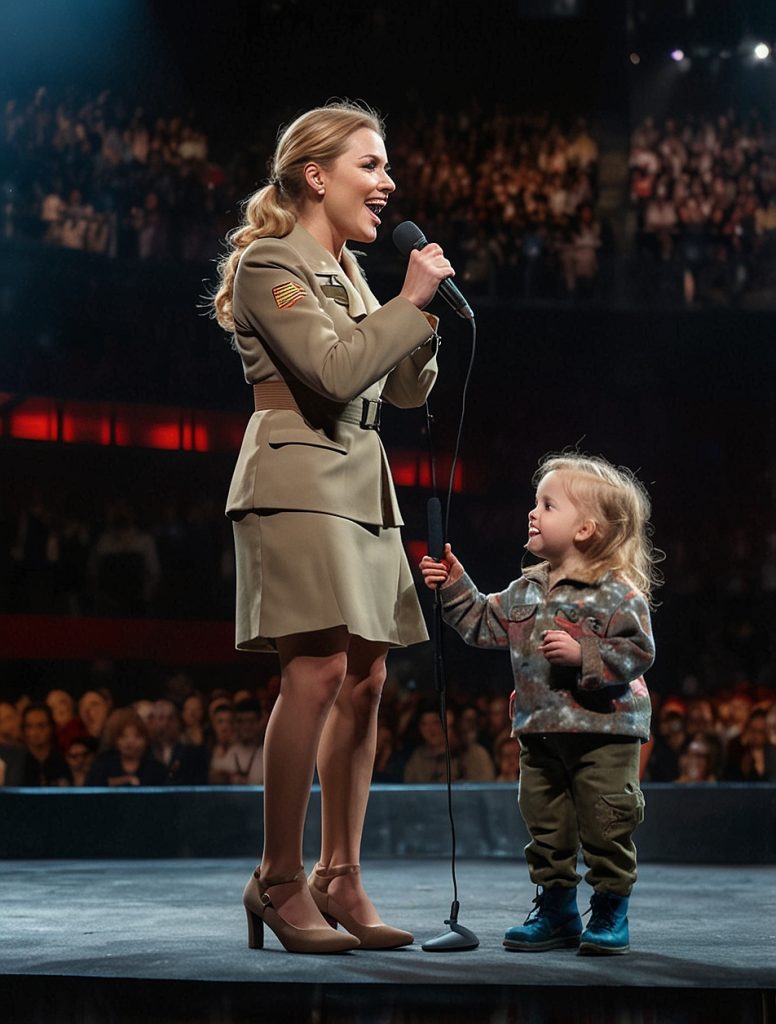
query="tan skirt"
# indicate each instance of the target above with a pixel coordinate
(303, 571)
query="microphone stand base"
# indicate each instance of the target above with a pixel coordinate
(457, 940)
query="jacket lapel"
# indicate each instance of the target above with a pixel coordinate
(360, 300)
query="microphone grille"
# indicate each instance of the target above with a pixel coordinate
(408, 236)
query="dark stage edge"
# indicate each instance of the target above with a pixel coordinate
(723, 823)
(165, 940)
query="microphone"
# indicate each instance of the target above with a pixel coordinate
(436, 541)
(457, 938)
(408, 236)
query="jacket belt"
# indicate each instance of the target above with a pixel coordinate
(275, 394)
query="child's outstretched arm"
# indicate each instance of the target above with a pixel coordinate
(478, 618)
(439, 574)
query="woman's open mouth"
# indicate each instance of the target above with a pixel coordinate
(375, 208)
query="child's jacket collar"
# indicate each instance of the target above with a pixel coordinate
(540, 573)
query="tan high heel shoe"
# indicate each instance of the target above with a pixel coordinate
(371, 936)
(263, 908)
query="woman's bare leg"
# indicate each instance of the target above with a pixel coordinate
(313, 668)
(345, 761)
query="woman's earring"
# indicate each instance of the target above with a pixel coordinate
(321, 191)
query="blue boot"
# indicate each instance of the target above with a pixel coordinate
(554, 922)
(607, 930)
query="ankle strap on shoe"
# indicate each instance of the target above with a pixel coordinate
(337, 870)
(272, 883)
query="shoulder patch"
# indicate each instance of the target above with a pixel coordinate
(287, 295)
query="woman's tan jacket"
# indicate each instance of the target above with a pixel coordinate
(305, 321)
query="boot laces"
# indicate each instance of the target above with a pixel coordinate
(536, 910)
(602, 912)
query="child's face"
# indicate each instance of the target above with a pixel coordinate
(554, 522)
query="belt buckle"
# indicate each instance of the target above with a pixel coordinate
(370, 414)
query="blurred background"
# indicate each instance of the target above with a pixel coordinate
(602, 174)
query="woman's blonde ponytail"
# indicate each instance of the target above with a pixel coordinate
(264, 216)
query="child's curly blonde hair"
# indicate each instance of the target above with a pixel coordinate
(618, 503)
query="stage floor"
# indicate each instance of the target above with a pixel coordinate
(113, 940)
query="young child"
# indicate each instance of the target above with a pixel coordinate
(578, 629)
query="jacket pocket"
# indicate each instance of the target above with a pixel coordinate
(308, 438)
(520, 627)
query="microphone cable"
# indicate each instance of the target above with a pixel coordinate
(458, 938)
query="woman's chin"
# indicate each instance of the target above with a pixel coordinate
(364, 235)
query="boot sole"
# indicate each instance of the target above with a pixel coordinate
(591, 949)
(541, 947)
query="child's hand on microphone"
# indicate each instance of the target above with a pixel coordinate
(439, 574)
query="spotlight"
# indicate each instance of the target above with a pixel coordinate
(677, 55)
(762, 51)
(634, 58)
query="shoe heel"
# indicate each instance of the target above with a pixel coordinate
(255, 930)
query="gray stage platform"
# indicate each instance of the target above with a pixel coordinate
(165, 940)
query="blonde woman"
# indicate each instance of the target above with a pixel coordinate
(322, 579)
(578, 629)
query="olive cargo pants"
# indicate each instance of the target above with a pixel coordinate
(578, 789)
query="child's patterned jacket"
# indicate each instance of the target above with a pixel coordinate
(608, 617)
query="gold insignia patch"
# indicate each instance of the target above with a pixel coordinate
(287, 295)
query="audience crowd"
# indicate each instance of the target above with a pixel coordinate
(97, 174)
(186, 737)
(704, 192)
(513, 196)
(64, 558)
